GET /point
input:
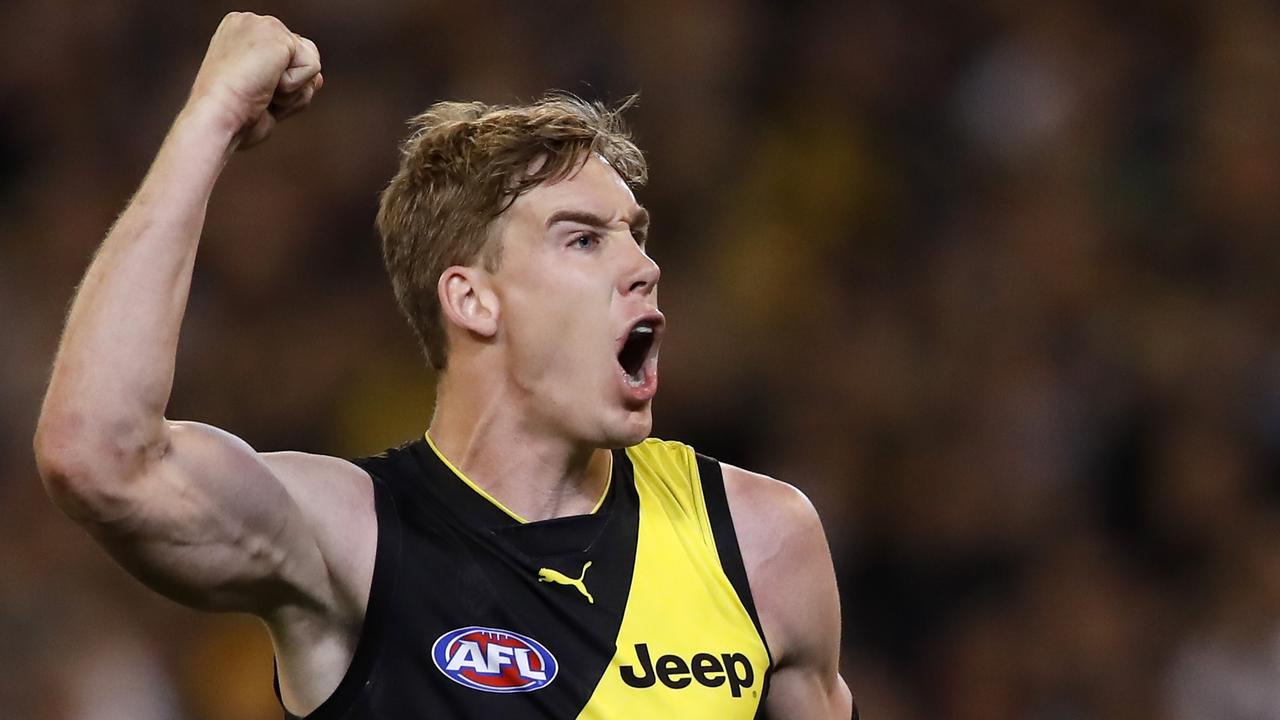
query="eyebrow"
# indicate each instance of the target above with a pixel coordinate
(638, 221)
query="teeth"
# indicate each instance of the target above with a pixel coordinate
(636, 380)
(644, 328)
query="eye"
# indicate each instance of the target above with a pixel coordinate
(584, 241)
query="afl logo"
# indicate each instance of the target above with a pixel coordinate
(493, 660)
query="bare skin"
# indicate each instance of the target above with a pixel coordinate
(198, 515)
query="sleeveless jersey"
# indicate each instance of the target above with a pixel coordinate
(640, 609)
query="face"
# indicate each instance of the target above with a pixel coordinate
(578, 308)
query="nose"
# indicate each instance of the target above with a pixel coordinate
(642, 274)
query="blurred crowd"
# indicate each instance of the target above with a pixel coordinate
(997, 284)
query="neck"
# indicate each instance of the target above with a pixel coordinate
(490, 437)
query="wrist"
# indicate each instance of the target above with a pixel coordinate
(208, 119)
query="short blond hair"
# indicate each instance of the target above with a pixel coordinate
(462, 166)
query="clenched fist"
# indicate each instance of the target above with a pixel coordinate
(255, 74)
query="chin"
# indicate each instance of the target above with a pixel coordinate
(629, 440)
(634, 429)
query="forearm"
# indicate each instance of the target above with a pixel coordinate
(114, 370)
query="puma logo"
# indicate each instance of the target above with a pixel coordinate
(555, 576)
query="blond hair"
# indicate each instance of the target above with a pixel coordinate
(463, 165)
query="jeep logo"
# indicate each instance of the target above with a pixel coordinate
(676, 673)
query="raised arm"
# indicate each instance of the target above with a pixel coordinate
(191, 510)
(794, 587)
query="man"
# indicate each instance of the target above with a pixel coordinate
(533, 555)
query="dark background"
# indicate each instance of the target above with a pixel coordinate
(995, 283)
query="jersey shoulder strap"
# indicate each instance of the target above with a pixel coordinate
(711, 476)
(695, 482)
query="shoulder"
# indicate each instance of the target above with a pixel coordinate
(335, 499)
(787, 559)
(771, 513)
(328, 490)
(319, 477)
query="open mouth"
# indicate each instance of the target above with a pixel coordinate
(637, 350)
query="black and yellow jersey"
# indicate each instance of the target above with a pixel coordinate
(640, 609)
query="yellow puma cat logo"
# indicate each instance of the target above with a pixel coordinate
(555, 576)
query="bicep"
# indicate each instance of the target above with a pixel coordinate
(210, 525)
(795, 692)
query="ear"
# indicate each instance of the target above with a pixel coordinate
(468, 301)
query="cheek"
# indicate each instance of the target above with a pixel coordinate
(574, 350)
(554, 329)
(557, 317)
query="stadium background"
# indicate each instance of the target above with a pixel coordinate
(995, 283)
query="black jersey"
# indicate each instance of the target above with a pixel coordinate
(640, 609)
